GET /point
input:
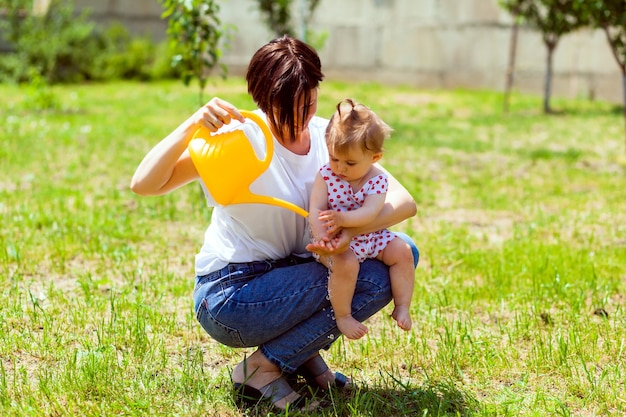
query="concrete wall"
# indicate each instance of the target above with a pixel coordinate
(141, 17)
(424, 43)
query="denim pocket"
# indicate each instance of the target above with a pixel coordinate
(218, 331)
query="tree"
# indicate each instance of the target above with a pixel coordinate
(279, 19)
(553, 18)
(195, 34)
(610, 16)
(52, 44)
(513, 7)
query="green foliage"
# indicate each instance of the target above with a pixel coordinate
(195, 34)
(54, 45)
(127, 57)
(13, 12)
(554, 18)
(40, 94)
(61, 47)
(278, 17)
(610, 15)
(513, 6)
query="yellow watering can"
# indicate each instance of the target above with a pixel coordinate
(228, 165)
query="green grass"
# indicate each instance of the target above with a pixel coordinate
(520, 292)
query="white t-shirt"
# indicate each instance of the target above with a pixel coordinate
(256, 232)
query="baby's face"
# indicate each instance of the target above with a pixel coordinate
(353, 164)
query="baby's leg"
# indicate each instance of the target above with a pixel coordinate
(398, 256)
(344, 269)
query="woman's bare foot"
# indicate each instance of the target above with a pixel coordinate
(257, 372)
(402, 317)
(351, 327)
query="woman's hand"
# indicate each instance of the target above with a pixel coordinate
(322, 246)
(168, 166)
(215, 114)
(331, 246)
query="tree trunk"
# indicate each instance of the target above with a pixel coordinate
(548, 81)
(41, 7)
(622, 66)
(510, 70)
(624, 100)
(302, 23)
(621, 61)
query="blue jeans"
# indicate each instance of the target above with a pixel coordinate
(282, 306)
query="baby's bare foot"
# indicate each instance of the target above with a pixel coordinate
(351, 328)
(402, 317)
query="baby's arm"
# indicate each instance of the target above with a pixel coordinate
(373, 204)
(399, 206)
(333, 221)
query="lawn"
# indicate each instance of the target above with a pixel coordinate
(520, 292)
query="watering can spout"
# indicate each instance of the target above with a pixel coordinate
(228, 165)
(266, 199)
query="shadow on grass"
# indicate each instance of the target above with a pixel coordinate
(432, 399)
(588, 110)
(570, 154)
(440, 399)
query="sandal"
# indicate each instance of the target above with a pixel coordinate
(272, 392)
(315, 367)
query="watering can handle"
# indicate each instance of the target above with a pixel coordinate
(269, 142)
(258, 120)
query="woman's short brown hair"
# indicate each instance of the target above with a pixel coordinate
(280, 76)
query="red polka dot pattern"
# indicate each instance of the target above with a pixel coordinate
(341, 197)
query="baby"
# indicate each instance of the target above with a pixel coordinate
(350, 191)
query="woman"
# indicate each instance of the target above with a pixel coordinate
(256, 284)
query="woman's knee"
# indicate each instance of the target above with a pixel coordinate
(414, 250)
(398, 252)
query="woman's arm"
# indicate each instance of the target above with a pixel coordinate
(318, 202)
(399, 206)
(168, 166)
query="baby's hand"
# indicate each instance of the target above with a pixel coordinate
(332, 221)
